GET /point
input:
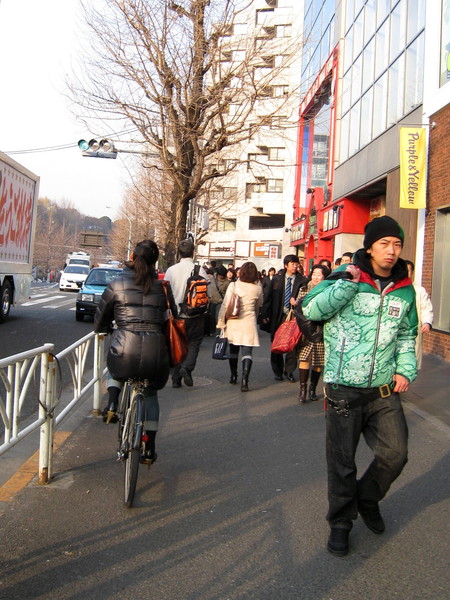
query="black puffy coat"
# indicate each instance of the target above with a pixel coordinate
(138, 347)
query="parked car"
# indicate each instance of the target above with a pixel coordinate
(92, 290)
(73, 277)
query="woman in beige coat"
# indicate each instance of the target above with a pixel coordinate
(242, 332)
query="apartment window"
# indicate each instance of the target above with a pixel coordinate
(274, 221)
(226, 224)
(280, 90)
(226, 56)
(230, 193)
(414, 74)
(278, 122)
(253, 159)
(275, 185)
(263, 14)
(440, 296)
(276, 153)
(284, 31)
(267, 61)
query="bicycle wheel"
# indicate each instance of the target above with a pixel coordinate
(133, 442)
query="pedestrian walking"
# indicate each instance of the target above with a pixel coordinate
(242, 333)
(369, 333)
(218, 288)
(424, 312)
(178, 275)
(278, 300)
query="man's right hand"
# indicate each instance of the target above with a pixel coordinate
(355, 272)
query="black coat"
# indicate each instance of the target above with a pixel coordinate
(138, 347)
(274, 299)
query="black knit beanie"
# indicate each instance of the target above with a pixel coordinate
(382, 227)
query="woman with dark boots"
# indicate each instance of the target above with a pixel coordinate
(311, 354)
(136, 300)
(242, 332)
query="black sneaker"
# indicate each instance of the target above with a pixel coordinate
(338, 541)
(148, 457)
(187, 377)
(370, 514)
(176, 383)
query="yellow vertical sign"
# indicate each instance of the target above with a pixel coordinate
(413, 167)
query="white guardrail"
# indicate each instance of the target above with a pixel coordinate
(20, 371)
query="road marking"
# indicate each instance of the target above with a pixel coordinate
(27, 471)
(42, 300)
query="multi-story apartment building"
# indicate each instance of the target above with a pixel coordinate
(250, 209)
(377, 65)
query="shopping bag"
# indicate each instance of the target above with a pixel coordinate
(233, 309)
(175, 332)
(286, 336)
(220, 348)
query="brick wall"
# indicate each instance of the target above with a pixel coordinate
(438, 196)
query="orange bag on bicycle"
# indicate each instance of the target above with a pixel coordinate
(176, 337)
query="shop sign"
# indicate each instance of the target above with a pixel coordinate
(261, 249)
(330, 219)
(413, 167)
(221, 250)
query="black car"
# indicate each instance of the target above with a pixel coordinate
(92, 290)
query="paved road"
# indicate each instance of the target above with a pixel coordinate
(233, 509)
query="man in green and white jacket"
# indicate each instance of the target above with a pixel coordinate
(369, 334)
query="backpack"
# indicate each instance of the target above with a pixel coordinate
(196, 296)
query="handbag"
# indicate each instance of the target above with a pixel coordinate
(311, 330)
(176, 337)
(233, 309)
(286, 336)
(220, 347)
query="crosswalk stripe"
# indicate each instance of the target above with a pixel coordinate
(42, 300)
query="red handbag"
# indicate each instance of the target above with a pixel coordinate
(175, 333)
(286, 336)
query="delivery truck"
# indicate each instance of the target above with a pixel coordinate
(19, 189)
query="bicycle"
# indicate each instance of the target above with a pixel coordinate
(132, 437)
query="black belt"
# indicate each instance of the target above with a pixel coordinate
(143, 327)
(346, 398)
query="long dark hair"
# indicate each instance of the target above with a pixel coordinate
(142, 261)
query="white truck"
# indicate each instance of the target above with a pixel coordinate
(78, 258)
(19, 189)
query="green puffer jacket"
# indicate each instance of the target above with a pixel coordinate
(369, 335)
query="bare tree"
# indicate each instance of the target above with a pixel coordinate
(169, 69)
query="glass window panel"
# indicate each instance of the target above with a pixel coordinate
(368, 65)
(353, 142)
(382, 49)
(346, 91)
(345, 123)
(414, 74)
(350, 14)
(358, 6)
(356, 79)
(348, 50)
(366, 117)
(398, 30)
(369, 20)
(396, 90)
(379, 106)
(383, 8)
(358, 35)
(416, 19)
(444, 67)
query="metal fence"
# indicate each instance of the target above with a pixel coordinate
(20, 372)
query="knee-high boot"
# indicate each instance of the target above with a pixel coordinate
(315, 376)
(246, 368)
(304, 374)
(233, 369)
(109, 413)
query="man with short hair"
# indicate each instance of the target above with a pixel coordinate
(178, 275)
(369, 334)
(346, 258)
(279, 298)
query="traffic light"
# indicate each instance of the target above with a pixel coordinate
(98, 148)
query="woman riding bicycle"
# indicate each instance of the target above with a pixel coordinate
(136, 301)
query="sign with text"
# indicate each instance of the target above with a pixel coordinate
(413, 167)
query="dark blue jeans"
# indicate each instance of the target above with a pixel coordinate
(382, 423)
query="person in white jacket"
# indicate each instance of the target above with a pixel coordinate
(424, 312)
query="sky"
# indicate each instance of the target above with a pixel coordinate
(38, 48)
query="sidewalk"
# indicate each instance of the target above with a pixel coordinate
(430, 392)
(234, 507)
